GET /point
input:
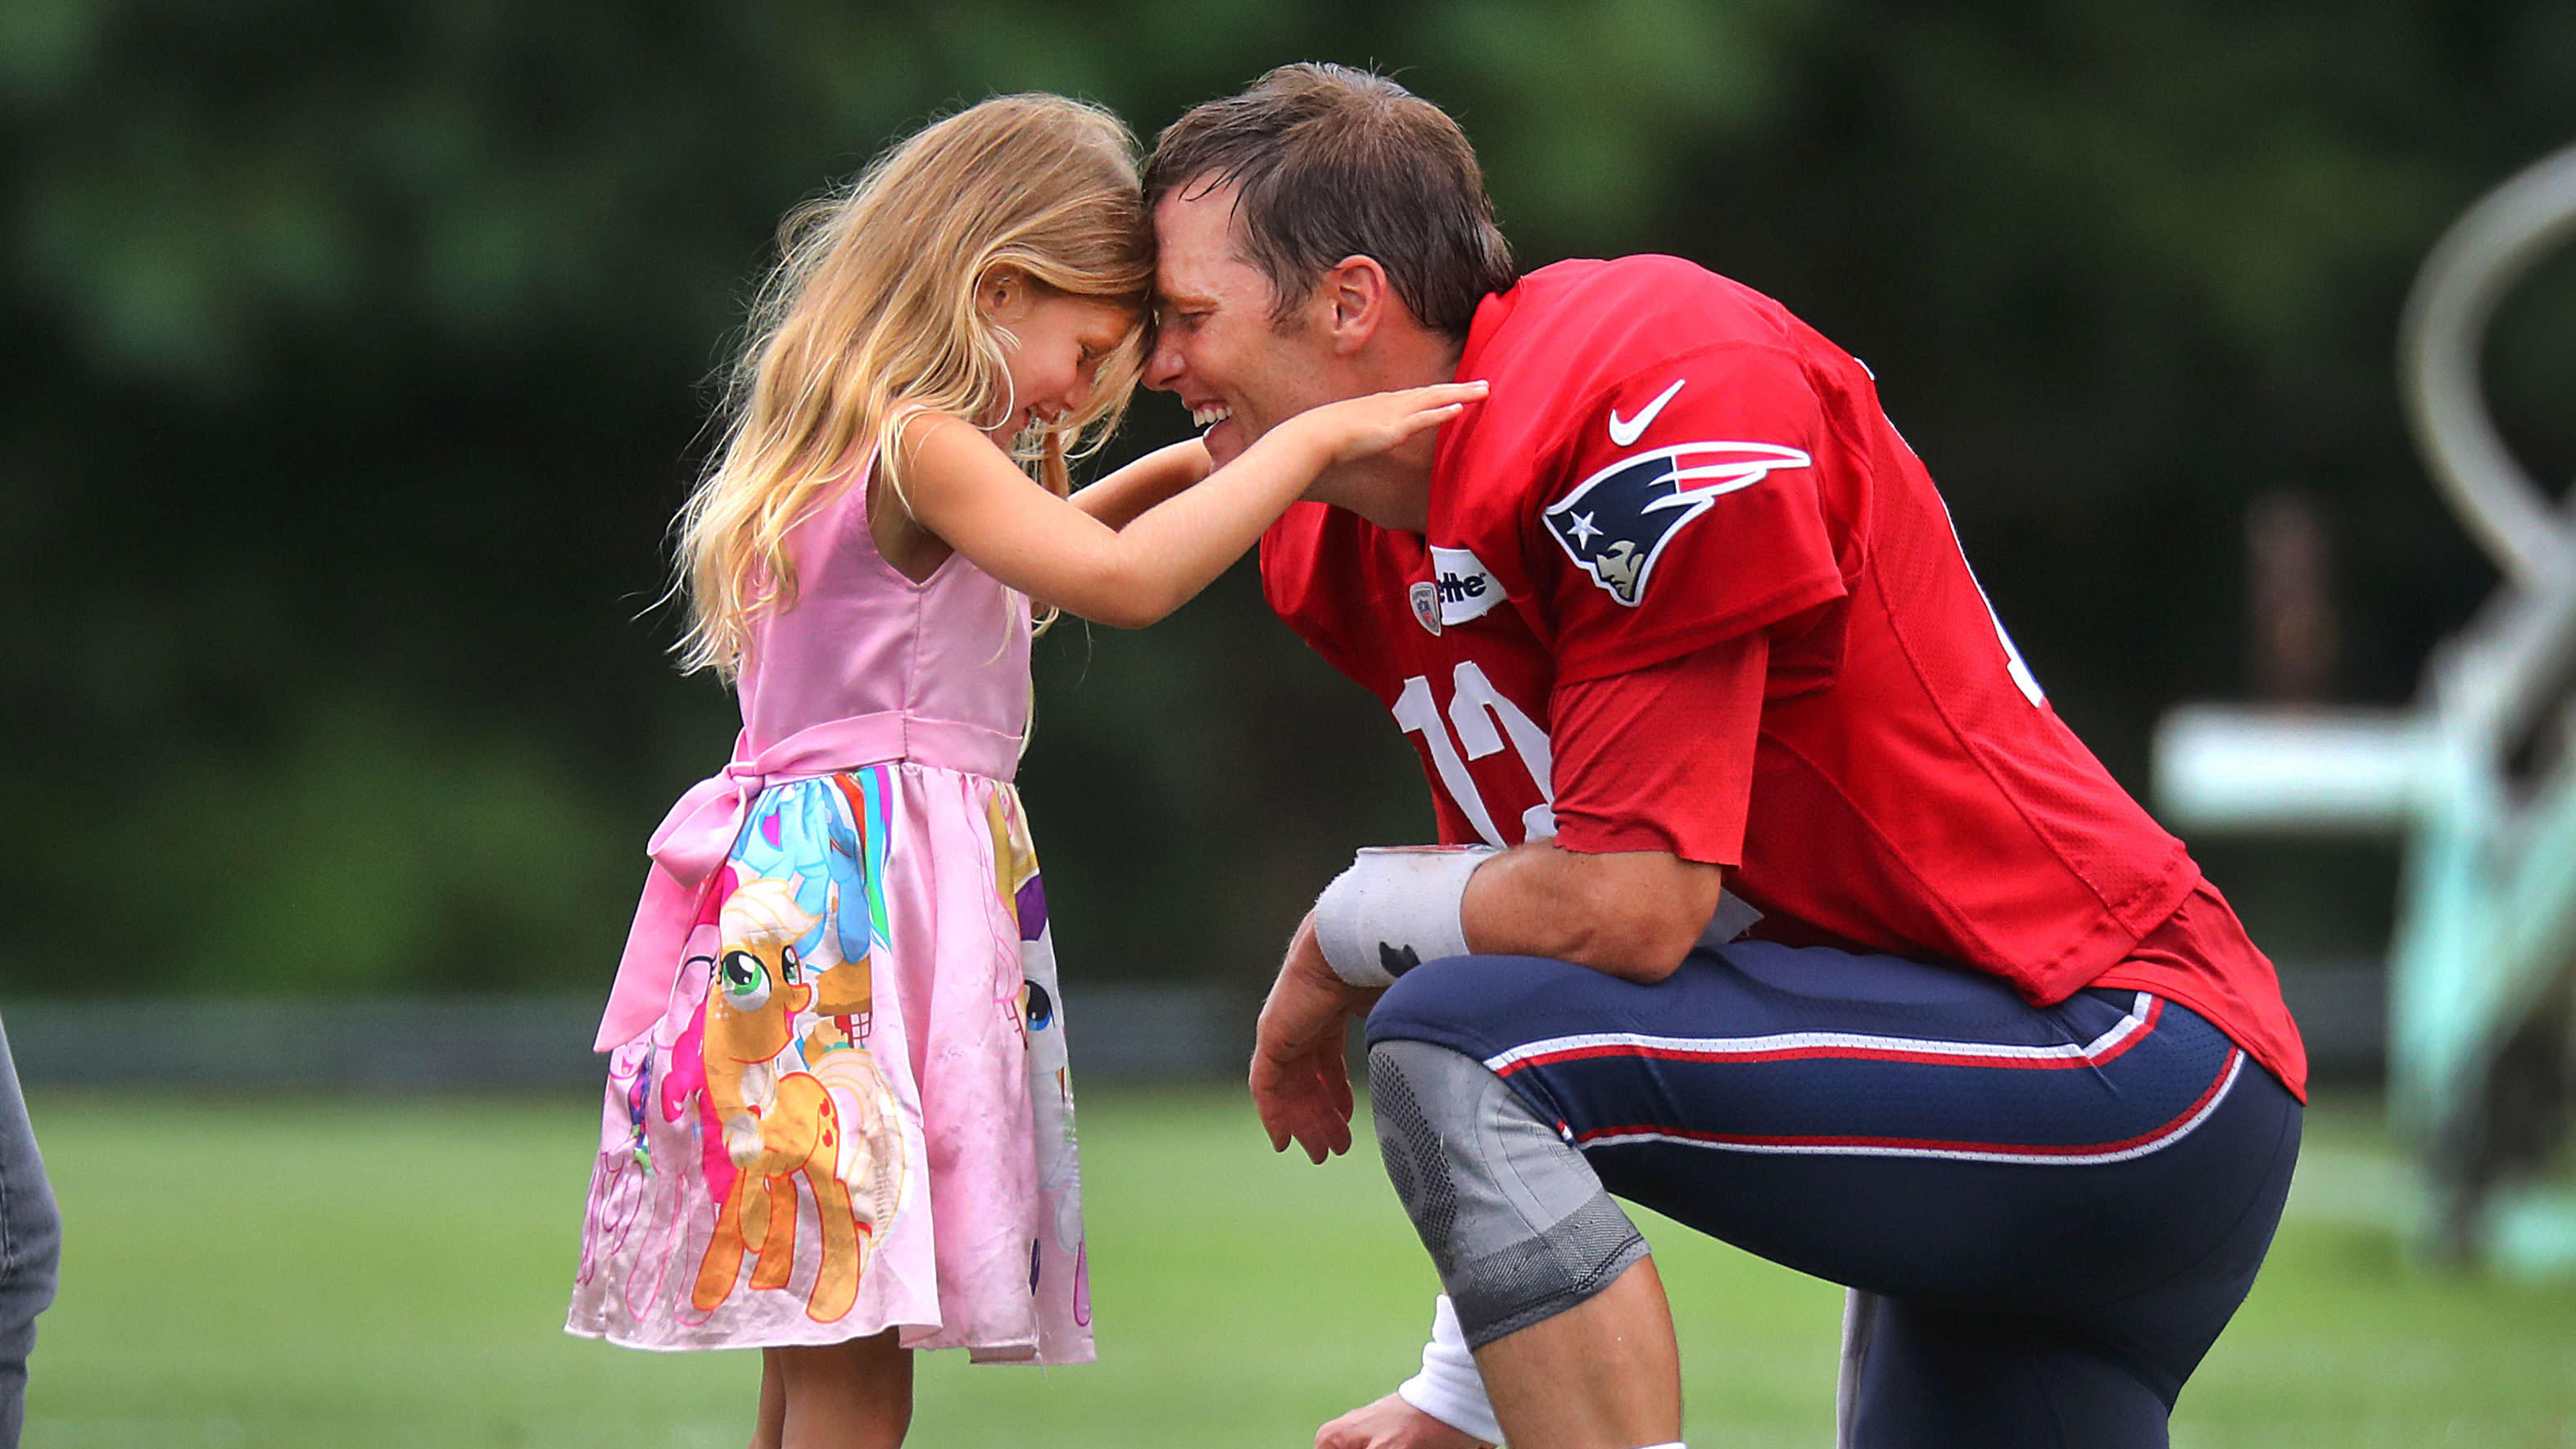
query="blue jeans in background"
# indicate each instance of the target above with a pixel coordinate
(31, 1246)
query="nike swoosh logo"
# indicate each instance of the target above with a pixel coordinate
(1628, 430)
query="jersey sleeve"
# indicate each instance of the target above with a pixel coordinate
(1692, 506)
(1661, 758)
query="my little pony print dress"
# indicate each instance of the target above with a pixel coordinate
(837, 1100)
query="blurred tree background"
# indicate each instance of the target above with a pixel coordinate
(358, 355)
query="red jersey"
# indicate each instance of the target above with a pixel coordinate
(1686, 589)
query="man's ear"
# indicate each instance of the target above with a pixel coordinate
(1352, 302)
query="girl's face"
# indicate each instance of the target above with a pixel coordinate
(1059, 342)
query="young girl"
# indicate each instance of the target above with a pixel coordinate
(838, 1122)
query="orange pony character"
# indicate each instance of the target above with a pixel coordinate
(777, 1123)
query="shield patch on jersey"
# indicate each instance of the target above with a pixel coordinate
(1616, 522)
(1425, 598)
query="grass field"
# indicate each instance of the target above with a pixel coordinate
(365, 1274)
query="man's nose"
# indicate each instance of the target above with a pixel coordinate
(1163, 366)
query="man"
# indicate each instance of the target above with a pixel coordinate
(1676, 610)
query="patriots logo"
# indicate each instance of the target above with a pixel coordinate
(1616, 522)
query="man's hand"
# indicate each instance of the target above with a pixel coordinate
(1391, 1423)
(1301, 1081)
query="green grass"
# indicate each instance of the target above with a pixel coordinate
(363, 1274)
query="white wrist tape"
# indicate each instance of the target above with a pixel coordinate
(1449, 1388)
(1395, 908)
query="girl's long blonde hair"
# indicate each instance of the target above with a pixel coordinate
(870, 318)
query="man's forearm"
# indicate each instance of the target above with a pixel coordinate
(1632, 914)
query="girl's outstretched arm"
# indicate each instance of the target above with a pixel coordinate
(962, 489)
(1123, 496)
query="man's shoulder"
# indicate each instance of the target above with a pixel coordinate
(1649, 420)
(1645, 273)
(1563, 347)
(1588, 313)
(1593, 352)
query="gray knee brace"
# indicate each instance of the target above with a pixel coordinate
(1515, 1219)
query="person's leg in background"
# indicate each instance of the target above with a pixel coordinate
(31, 1239)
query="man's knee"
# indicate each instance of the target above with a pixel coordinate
(1516, 1221)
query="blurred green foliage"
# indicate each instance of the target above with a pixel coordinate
(358, 356)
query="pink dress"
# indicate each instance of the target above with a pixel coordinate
(837, 1100)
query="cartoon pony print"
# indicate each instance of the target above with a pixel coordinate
(778, 1121)
(1034, 1005)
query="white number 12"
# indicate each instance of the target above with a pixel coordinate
(1475, 708)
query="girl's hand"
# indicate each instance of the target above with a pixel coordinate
(1363, 427)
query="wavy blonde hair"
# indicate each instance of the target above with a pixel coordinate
(870, 319)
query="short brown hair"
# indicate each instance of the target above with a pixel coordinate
(1332, 162)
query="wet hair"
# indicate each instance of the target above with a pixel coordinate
(1331, 162)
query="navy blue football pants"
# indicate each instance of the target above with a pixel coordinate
(2060, 1206)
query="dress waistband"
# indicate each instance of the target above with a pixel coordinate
(693, 838)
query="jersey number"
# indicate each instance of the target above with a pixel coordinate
(2022, 678)
(1475, 709)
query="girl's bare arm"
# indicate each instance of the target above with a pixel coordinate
(1123, 496)
(962, 488)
